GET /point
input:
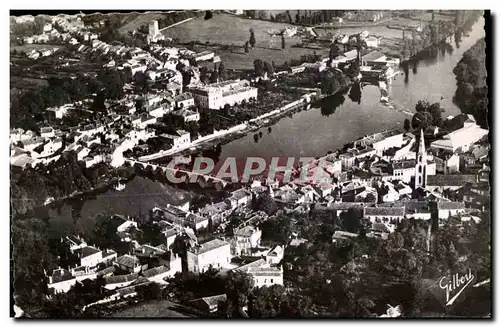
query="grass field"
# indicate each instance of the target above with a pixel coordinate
(155, 309)
(232, 30)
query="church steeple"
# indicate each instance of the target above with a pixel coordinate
(421, 165)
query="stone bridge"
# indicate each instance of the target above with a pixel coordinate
(174, 170)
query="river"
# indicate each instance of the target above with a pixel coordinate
(343, 118)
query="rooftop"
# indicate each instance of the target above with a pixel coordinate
(246, 231)
(155, 271)
(121, 278)
(384, 211)
(372, 56)
(88, 251)
(127, 261)
(450, 205)
(210, 246)
(451, 180)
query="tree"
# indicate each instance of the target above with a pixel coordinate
(252, 38)
(351, 220)
(258, 67)
(421, 120)
(204, 75)
(334, 51)
(222, 71)
(407, 124)
(283, 41)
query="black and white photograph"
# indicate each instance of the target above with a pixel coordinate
(244, 164)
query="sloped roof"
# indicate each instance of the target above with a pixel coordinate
(155, 271)
(384, 211)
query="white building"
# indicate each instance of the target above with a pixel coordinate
(245, 239)
(383, 214)
(204, 56)
(184, 100)
(47, 132)
(450, 209)
(128, 263)
(262, 273)
(217, 95)
(61, 281)
(275, 255)
(181, 138)
(460, 139)
(188, 115)
(215, 253)
(266, 276)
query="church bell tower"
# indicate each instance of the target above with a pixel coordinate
(421, 166)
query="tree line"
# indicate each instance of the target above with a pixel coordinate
(472, 89)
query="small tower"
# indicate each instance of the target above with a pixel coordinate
(421, 166)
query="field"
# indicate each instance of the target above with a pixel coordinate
(227, 29)
(156, 309)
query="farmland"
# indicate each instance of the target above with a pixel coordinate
(236, 33)
(155, 309)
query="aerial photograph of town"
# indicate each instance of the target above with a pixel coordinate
(240, 164)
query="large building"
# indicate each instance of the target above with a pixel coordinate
(217, 95)
(461, 139)
(215, 253)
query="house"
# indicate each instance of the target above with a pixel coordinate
(188, 115)
(297, 69)
(381, 230)
(89, 256)
(450, 209)
(373, 42)
(158, 274)
(204, 56)
(170, 235)
(266, 275)
(119, 281)
(373, 57)
(246, 238)
(215, 253)
(275, 255)
(342, 235)
(93, 160)
(351, 55)
(417, 209)
(449, 182)
(47, 132)
(390, 194)
(61, 281)
(382, 141)
(75, 242)
(179, 139)
(448, 164)
(209, 304)
(184, 100)
(384, 214)
(240, 197)
(128, 263)
(218, 212)
(181, 217)
(126, 224)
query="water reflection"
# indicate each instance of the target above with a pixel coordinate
(355, 93)
(330, 104)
